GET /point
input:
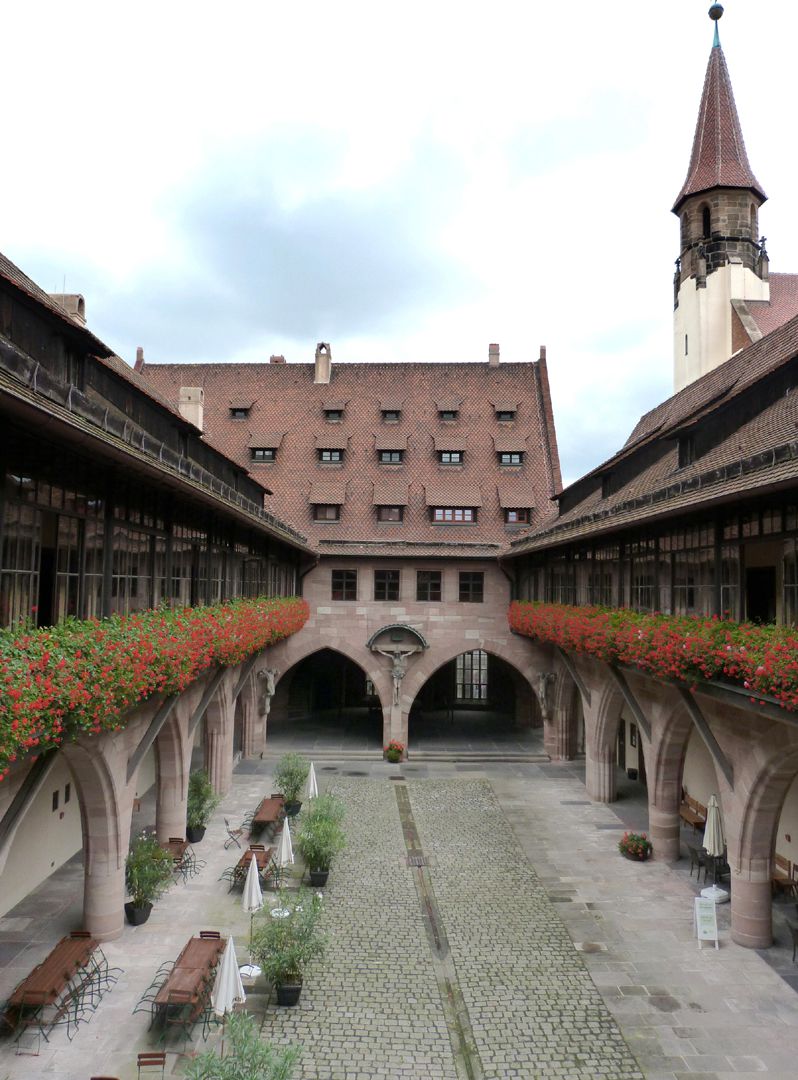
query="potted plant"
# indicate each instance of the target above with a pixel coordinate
(286, 940)
(318, 841)
(148, 871)
(201, 803)
(635, 846)
(394, 751)
(244, 1056)
(290, 775)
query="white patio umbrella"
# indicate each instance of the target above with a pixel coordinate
(228, 989)
(285, 852)
(313, 787)
(252, 901)
(714, 847)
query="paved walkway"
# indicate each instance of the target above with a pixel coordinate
(525, 947)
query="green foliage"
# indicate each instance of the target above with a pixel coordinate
(637, 845)
(326, 807)
(290, 776)
(148, 870)
(202, 800)
(284, 947)
(246, 1057)
(319, 840)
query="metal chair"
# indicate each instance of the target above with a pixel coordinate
(699, 860)
(233, 835)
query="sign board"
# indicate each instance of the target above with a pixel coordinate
(705, 920)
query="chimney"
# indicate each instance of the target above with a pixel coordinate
(191, 404)
(323, 363)
(543, 353)
(493, 355)
(73, 304)
(139, 364)
(276, 359)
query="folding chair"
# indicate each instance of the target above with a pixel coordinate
(152, 1061)
(233, 835)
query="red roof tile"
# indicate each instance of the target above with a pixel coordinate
(332, 440)
(265, 440)
(390, 440)
(448, 493)
(515, 495)
(327, 492)
(719, 158)
(390, 493)
(509, 442)
(782, 306)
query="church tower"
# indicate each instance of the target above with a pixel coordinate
(722, 259)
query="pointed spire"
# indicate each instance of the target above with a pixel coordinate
(719, 158)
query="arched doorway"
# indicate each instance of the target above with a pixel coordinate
(479, 702)
(326, 701)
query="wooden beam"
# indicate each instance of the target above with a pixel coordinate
(704, 730)
(570, 667)
(206, 699)
(150, 735)
(28, 790)
(628, 696)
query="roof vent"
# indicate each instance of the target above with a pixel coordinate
(139, 359)
(276, 359)
(73, 304)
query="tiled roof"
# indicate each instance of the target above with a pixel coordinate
(287, 399)
(758, 454)
(334, 404)
(265, 440)
(504, 404)
(392, 403)
(448, 493)
(719, 158)
(390, 493)
(509, 442)
(453, 439)
(515, 495)
(782, 306)
(450, 403)
(327, 492)
(241, 403)
(331, 440)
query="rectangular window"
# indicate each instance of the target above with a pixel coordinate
(428, 585)
(331, 455)
(686, 451)
(344, 584)
(514, 457)
(505, 414)
(391, 416)
(263, 453)
(67, 793)
(334, 416)
(391, 457)
(386, 584)
(55, 800)
(516, 517)
(450, 457)
(325, 512)
(237, 413)
(472, 587)
(471, 682)
(454, 514)
(390, 513)
(447, 414)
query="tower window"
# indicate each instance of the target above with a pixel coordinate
(685, 345)
(706, 222)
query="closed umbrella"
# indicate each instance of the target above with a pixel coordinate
(715, 848)
(285, 851)
(228, 989)
(313, 787)
(252, 901)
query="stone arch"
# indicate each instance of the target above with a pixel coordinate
(434, 659)
(288, 653)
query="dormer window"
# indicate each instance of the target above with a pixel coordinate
(331, 457)
(263, 445)
(391, 457)
(333, 416)
(505, 414)
(516, 517)
(391, 416)
(450, 457)
(454, 515)
(263, 453)
(447, 414)
(511, 457)
(239, 412)
(390, 513)
(686, 451)
(606, 485)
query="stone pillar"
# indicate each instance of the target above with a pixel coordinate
(600, 773)
(218, 742)
(751, 906)
(173, 749)
(104, 875)
(664, 831)
(252, 723)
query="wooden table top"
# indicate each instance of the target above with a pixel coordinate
(49, 978)
(197, 959)
(269, 810)
(262, 859)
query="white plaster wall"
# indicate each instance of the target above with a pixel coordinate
(45, 839)
(699, 778)
(788, 825)
(146, 774)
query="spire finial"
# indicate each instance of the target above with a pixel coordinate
(715, 13)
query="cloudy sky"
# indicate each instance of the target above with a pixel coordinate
(408, 182)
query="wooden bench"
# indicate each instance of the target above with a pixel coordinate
(782, 880)
(693, 813)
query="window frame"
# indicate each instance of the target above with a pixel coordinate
(471, 586)
(448, 415)
(263, 453)
(448, 515)
(382, 512)
(335, 516)
(239, 413)
(455, 457)
(333, 416)
(505, 415)
(346, 590)
(391, 416)
(429, 582)
(389, 585)
(330, 456)
(508, 510)
(388, 460)
(502, 454)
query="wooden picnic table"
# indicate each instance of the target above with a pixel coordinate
(49, 978)
(262, 855)
(269, 812)
(196, 961)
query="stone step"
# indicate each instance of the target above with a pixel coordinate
(478, 755)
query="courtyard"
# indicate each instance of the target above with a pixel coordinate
(481, 924)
